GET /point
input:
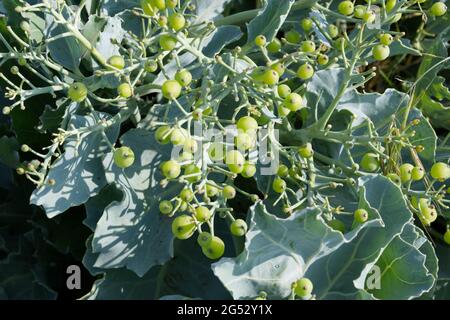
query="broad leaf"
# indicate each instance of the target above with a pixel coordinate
(97, 204)
(269, 19)
(208, 10)
(342, 274)
(189, 272)
(398, 279)
(52, 119)
(66, 50)
(131, 232)
(277, 253)
(112, 30)
(222, 36)
(78, 172)
(113, 7)
(324, 86)
(122, 284)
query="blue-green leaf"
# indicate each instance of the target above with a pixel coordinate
(122, 284)
(222, 36)
(277, 253)
(189, 272)
(324, 86)
(52, 119)
(269, 20)
(66, 51)
(208, 10)
(113, 7)
(92, 29)
(37, 26)
(398, 279)
(424, 136)
(97, 204)
(78, 172)
(112, 30)
(131, 232)
(107, 81)
(342, 274)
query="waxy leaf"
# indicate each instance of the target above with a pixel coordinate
(78, 173)
(398, 279)
(131, 232)
(269, 20)
(277, 253)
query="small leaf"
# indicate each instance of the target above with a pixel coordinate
(131, 22)
(107, 81)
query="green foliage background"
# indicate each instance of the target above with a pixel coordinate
(142, 260)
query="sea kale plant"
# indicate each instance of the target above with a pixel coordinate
(229, 153)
